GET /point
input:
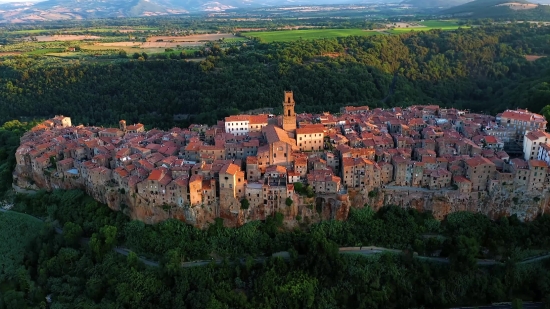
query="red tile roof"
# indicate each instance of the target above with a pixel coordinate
(155, 175)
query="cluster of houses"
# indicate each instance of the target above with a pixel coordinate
(260, 158)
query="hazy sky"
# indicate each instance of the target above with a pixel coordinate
(5, 1)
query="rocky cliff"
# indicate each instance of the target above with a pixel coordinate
(500, 201)
(302, 209)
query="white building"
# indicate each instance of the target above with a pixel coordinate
(522, 121)
(532, 142)
(544, 153)
(238, 124)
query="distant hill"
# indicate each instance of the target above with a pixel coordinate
(499, 9)
(82, 9)
(428, 4)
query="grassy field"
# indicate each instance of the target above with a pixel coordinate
(292, 35)
(44, 51)
(429, 25)
(235, 39)
(34, 31)
(16, 232)
(402, 30)
(439, 23)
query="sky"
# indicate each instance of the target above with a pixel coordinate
(6, 1)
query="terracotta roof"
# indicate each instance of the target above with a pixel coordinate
(155, 175)
(538, 163)
(235, 118)
(522, 115)
(310, 130)
(535, 135)
(274, 134)
(230, 169)
(461, 179)
(476, 161)
(276, 168)
(258, 119)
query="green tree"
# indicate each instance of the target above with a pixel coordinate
(245, 204)
(72, 233)
(289, 201)
(464, 253)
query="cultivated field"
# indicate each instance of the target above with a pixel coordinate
(68, 37)
(192, 38)
(157, 44)
(292, 35)
(428, 25)
(399, 27)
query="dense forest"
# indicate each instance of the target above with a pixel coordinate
(79, 269)
(482, 69)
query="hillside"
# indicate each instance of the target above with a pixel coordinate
(16, 232)
(19, 12)
(435, 3)
(520, 9)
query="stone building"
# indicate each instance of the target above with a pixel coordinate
(310, 138)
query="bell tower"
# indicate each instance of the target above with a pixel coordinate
(289, 116)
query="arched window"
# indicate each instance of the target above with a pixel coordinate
(289, 112)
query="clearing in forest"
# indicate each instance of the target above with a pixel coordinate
(533, 57)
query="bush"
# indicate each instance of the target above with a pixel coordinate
(288, 201)
(245, 204)
(298, 218)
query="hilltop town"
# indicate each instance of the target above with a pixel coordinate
(306, 166)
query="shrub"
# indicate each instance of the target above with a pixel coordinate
(245, 204)
(288, 201)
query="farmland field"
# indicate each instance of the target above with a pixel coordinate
(45, 51)
(16, 232)
(429, 25)
(52, 38)
(291, 35)
(439, 23)
(402, 30)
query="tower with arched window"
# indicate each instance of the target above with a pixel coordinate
(289, 116)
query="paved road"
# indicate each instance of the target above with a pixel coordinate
(126, 252)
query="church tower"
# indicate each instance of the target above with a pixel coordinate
(122, 125)
(289, 116)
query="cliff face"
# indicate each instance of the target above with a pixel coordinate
(500, 201)
(497, 203)
(302, 209)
